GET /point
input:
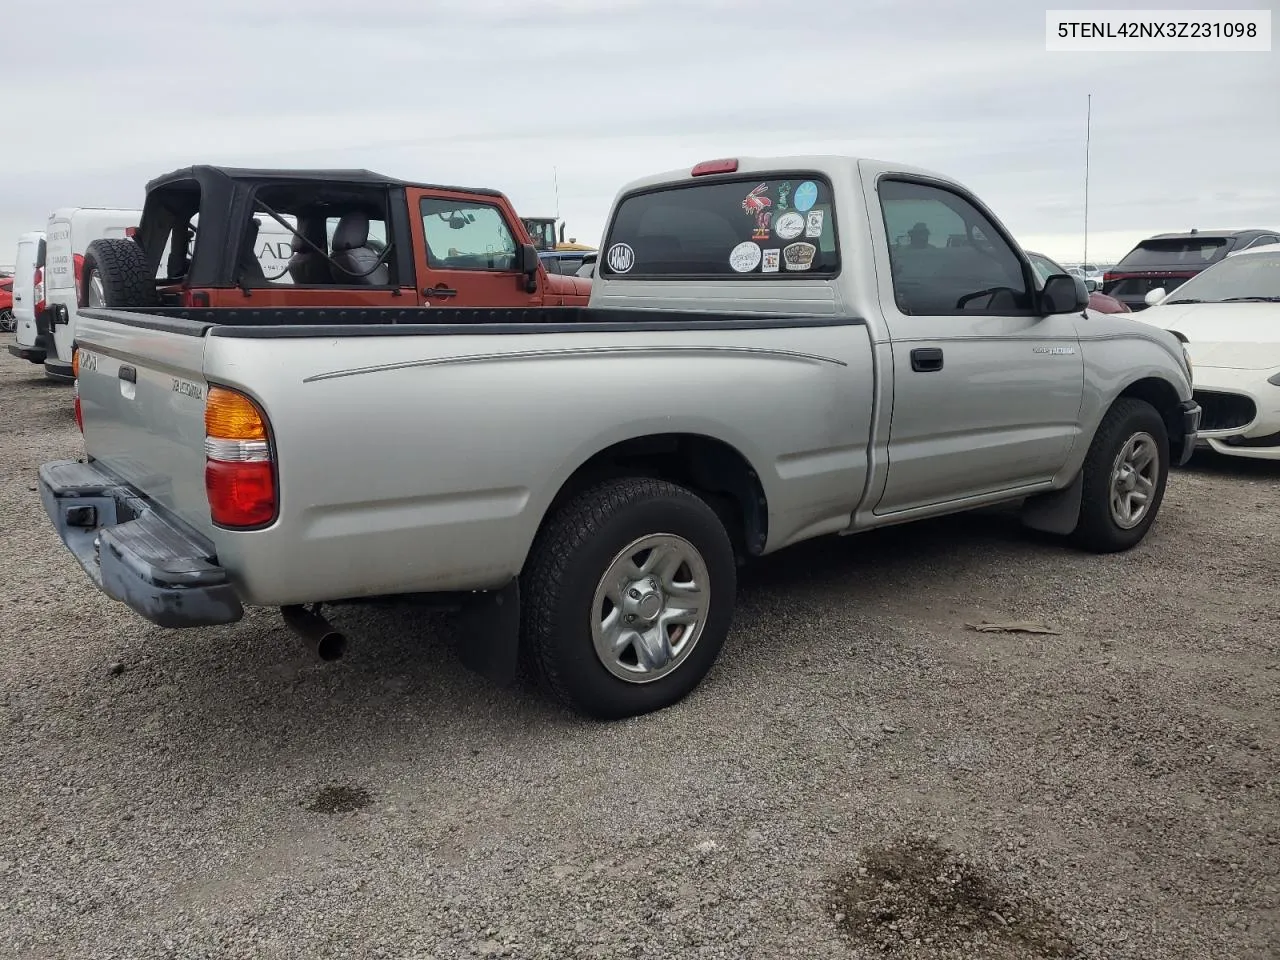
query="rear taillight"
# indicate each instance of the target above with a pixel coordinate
(79, 269)
(38, 292)
(239, 474)
(75, 372)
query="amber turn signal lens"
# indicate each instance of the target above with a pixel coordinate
(75, 362)
(232, 416)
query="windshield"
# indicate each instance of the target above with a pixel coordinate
(1192, 252)
(1244, 276)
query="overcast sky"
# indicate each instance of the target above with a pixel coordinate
(101, 97)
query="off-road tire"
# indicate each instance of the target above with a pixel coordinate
(121, 265)
(570, 554)
(1095, 529)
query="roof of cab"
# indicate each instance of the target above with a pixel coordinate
(836, 166)
(205, 173)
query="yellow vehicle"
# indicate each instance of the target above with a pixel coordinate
(542, 230)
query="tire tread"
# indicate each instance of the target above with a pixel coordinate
(126, 277)
(1094, 531)
(573, 525)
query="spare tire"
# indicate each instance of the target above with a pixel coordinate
(116, 275)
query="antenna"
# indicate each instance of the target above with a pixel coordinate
(1088, 131)
(555, 179)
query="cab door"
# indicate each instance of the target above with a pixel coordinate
(467, 252)
(986, 388)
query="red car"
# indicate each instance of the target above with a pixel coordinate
(1098, 300)
(7, 323)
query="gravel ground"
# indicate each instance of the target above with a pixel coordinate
(860, 775)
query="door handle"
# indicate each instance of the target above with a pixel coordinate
(926, 359)
(444, 292)
(128, 374)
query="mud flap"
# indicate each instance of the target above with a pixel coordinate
(489, 633)
(1056, 512)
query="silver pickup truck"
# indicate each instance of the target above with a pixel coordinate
(775, 349)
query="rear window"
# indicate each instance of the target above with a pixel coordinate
(1191, 252)
(777, 226)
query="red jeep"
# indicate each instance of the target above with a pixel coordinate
(356, 239)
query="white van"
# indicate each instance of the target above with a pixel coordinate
(26, 294)
(70, 231)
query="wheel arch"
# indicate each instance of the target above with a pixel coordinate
(1058, 511)
(716, 470)
(1162, 395)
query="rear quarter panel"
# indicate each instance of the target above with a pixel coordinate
(420, 463)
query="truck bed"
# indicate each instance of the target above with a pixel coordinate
(415, 456)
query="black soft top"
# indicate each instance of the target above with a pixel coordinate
(208, 175)
(224, 196)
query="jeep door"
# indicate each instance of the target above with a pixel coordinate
(467, 252)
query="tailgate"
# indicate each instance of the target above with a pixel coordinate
(142, 400)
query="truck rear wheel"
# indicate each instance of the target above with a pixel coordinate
(115, 274)
(1125, 474)
(628, 596)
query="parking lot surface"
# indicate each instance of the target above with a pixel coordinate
(861, 775)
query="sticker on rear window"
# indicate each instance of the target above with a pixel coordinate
(745, 257)
(806, 195)
(621, 258)
(784, 193)
(813, 224)
(762, 226)
(799, 256)
(770, 260)
(789, 226)
(757, 200)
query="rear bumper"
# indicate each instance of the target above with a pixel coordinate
(34, 354)
(131, 553)
(1190, 430)
(59, 370)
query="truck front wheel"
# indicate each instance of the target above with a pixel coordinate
(1125, 474)
(627, 597)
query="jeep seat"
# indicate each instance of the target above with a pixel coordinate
(306, 266)
(351, 252)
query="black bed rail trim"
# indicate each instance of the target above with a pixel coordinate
(301, 322)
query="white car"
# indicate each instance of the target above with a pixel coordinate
(1229, 316)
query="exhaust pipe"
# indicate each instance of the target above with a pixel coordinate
(319, 634)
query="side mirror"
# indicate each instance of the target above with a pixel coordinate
(1153, 296)
(527, 262)
(1063, 293)
(1091, 285)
